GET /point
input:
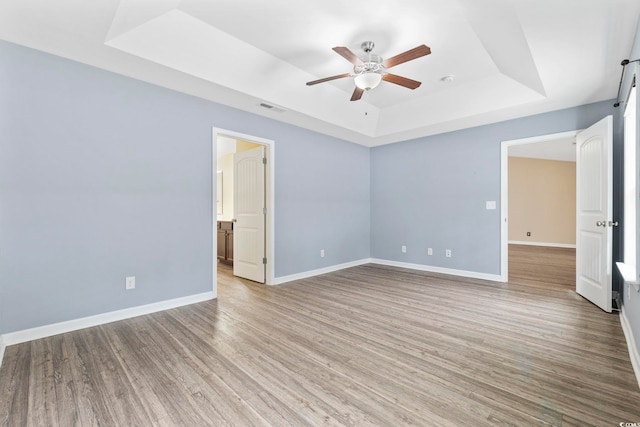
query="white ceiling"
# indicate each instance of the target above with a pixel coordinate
(563, 149)
(510, 58)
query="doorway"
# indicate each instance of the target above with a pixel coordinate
(594, 213)
(536, 153)
(227, 142)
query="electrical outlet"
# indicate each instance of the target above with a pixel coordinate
(404, 249)
(321, 253)
(429, 251)
(528, 234)
(447, 253)
(130, 283)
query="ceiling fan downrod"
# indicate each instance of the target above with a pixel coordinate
(372, 63)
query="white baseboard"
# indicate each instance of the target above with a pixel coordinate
(319, 271)
(442, 270)
(421, 267)
(2, 347)
(550, 245)
(634, 354)
(99, 319)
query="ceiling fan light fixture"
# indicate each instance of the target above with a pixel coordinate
(368, 81)
(371, 69)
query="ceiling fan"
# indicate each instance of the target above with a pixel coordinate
(371, 69)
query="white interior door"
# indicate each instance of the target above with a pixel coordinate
(595, 209)
(249, 221)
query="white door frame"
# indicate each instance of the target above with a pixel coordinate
(504, 191)
(270, 149)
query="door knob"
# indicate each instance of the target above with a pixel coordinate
(601, 223)
(234, 220)
(613, 223)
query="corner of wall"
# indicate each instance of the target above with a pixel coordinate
(311, 273)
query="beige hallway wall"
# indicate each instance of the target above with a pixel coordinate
(542, 200)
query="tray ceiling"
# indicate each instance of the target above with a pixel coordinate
(510, 58)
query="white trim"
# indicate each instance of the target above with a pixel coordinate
(629, 276)
(319, 271)
(100, 319)
(214, 213)
(634, 353)
(504, 211)
(270, 247)
(441, 270)
(504, 191)
(630, 269)
(549, 245)
(2, 347)
(410, 266)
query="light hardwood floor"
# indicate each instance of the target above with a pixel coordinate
(370, 345)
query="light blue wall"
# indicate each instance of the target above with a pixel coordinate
(103, 176)
(326, 182)
(631, 305)
(431, 192)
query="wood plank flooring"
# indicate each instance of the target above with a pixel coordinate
(370, 345)
(543, 266)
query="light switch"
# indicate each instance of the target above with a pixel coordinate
(491, 204)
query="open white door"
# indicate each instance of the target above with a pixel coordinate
(595, 209)
(249, 221)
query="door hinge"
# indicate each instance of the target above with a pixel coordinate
(264, 160)
(264, 260)
(264, 211)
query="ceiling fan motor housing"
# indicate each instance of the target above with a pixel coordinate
(369, 64)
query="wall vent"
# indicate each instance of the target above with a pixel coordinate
(272, 107)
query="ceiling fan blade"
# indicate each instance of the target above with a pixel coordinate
(357, 94)
(327, 79)
(402, 81)
(409, 55)
(346, 53)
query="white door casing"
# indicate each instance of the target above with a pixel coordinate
(504, 189)
(594, 220)
(249, 221)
